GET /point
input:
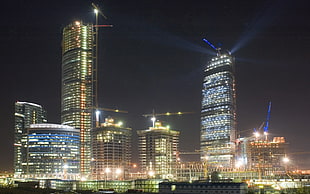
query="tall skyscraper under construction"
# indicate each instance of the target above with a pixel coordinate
(77, 85)
(26, 113)
(218, 112)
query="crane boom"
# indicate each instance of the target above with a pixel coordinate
(166, 114)
(268, 117)
(209, 43)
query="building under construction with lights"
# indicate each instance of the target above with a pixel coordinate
(218, 112)
(264, 156)
(111, 149)
(77, 85)
(158, 146)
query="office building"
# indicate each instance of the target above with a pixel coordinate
(218, 112)
(52, 152)
(158, 147)
(111, 148)
(26, 113)
(77, 85)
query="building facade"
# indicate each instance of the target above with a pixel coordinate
(158, 146)
(218, 112)
(77, 85)
(267, 156)
(26, 113)
(202, 187)
(111, 149)
(53, 152)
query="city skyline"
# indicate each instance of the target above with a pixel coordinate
(157, 50)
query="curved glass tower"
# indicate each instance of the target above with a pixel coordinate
(77, 84)
(53, 151)
(218, 113)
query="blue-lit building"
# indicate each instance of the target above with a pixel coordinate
(26, 113)
(218, 112)
(53, 152)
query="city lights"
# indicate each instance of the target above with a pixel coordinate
(215, 150)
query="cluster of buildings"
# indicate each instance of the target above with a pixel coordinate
(83, 148)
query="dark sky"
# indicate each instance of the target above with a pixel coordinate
(153, 58)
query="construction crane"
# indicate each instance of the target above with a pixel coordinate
(267, 120)
(97, 112)
(210, 44)
(154, 115)
(97, 11)
(217, 49)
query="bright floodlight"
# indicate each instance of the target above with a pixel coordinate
(256, 134)
(151, 173)
(107, 170)
(286, 160)
(118, 171)
(95, 11)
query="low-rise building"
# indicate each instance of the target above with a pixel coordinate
(202, 187)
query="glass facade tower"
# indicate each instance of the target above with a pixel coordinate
(53, 151)
(218, 113)
(77, 85)
(26, 113)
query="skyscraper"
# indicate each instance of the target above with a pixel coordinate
(53, 151)
(26, 113)
(77, 85)
(158, 147)
(218, 112)
(111, 150)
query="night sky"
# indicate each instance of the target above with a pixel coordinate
(153, 59)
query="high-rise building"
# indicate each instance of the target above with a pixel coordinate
(26, 113)
(53, 152)
(111, 149)
(158, 147)
(218, 112)
(77, 85)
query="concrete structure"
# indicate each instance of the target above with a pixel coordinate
(26, 113)
(52, 152)
(158, 146)
(77, 85)
(111, 149)
(266, 157)
(202, 187)
(218, 112)
(189, 171)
